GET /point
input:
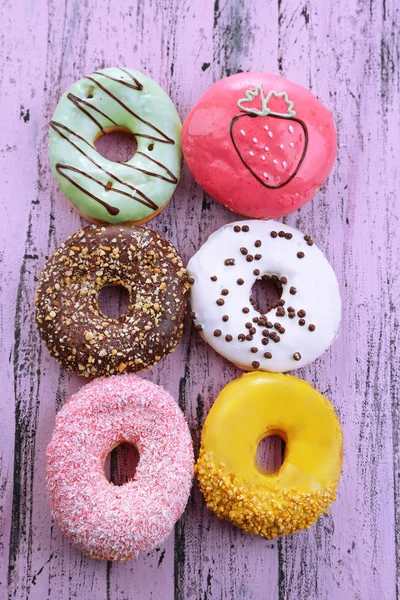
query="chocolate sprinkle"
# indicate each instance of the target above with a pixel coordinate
(288, 236)
(276, 339)
(301, 313)
(243, 251)
(228, 337)
(225, 318)
(257, 243)
(191, 280)
(220, 301)
(274, 234)
(248, 325)
(269, 324)
(300, 255)
(281, 234)
(297, 356)
(311, 327)
(217, 333)
(267, 355)
(245, 228)
(256, 272)
(265, 332)
(302, 322)
(252, 330)
(293, 290)
(310, 243)
(240, 281)
(245, 310)
(283, 280)
(249, 258)
(292, 315)
(258, 256)
(265, 341)
(214, 278)
(229, 262)
(249, 337)
(236, 228)
(224, 292)
(254, 350)
(255, 364)
(241, 337)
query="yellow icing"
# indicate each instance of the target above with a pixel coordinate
(247, 410)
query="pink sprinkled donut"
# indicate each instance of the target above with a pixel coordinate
(118, 522)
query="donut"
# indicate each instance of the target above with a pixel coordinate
(73, 327)
(294, 329)
(104, 520)
(249, 409)
(259, 144)
(103, 191)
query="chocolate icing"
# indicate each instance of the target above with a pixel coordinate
(68, 315)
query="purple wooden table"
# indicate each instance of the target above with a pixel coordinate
(347, 52)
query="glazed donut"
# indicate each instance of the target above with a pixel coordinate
(249, 409)
(119, 522)
(299, 326)
(259, 144)
(101, 190)
(68, 316)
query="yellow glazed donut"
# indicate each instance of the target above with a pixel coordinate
(247, 410)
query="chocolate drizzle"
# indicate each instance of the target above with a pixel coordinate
(113, 210)
(79, 102)
(135, 86)
(164, 140)
(143, 199)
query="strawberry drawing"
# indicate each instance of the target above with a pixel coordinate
(271, 144)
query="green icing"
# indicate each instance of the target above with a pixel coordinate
(108, 98)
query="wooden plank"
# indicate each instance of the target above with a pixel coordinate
(347, 53)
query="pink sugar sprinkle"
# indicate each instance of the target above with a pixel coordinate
(119, 522)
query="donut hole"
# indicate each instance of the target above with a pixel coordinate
(121, 463)
(270, 454)
(117, 144)
(265, 293)
(113, 300)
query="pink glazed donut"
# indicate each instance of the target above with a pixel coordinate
(261, 145)
(119, 522)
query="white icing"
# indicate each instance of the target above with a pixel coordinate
(270, 134)
(255, 140)
(242, 132)
(262, 157)
(251, 153)
(312, 276)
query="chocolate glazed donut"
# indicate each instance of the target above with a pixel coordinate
(70, 321)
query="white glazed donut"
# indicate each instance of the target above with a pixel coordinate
(297, 328)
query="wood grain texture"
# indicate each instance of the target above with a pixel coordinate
(347, 52)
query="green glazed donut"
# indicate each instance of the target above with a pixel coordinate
(116, 99)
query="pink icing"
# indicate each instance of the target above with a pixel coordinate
(216, 164)
(119, 522)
